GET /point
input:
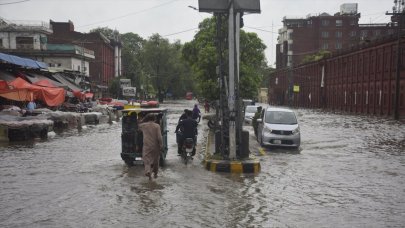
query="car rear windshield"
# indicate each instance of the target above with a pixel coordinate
(251, 109)
(280, 117)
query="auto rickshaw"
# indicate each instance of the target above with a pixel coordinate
(131, 137)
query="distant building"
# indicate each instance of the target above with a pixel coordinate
(25, 36)
(300, 37)
(30, 39)
(107, 62)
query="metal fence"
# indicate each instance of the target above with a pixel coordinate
(362, 81)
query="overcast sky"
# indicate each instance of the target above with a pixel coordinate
(174, 20)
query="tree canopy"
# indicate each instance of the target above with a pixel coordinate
(202, 55)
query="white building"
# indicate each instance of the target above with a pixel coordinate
(29, 39)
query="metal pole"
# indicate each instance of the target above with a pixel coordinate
(238, 107)
(220, 111)
(398, 10)
(231, 85)
(398, 75)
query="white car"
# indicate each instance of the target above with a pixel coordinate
(250, 111)
(278, 127)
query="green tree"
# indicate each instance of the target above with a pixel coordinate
(132, 45)
(315, 57)
(107, 32)
(201, 54)
(164, 66)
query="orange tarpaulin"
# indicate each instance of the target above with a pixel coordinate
(17, 94)
(45, 83)
(51, 96)
(14, 94)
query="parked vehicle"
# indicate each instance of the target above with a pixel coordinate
(131, 137)
(189, 95)
(250, 111)
(278, 127)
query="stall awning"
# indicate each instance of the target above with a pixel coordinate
(24, 62)
(66, 82)
(6, 76)
(41, 80)
(51, 96)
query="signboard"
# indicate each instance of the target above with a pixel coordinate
(129, 91)
(222, 6)
(296, 89)
(125, 83)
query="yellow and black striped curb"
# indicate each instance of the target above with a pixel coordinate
(232, 166)
(248, 166)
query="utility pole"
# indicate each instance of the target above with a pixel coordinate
(222, 112)
(234, 8)
(398, 12)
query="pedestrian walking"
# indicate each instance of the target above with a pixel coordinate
(207, 106)
(255, 117)
(152, 145)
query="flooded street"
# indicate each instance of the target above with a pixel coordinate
(350, 172)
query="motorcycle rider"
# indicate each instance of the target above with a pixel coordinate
(196, 113)
(188, 128)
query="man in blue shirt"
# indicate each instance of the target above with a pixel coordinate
(31, 106)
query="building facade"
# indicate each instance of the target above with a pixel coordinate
(107, 62)
(301, 37)
(30, 39)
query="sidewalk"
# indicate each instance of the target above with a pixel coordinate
(249, 165)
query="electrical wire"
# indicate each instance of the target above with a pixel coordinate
(10, 3)
(180, 32)
(129, 14)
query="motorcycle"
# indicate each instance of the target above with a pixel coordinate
(188, 150)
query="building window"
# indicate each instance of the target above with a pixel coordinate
(290, 47)
(338, 34)
(325, 22)
(338, 45)
(325, 34)
(325, 46)
(353, 33)
(1, 43)
(78, 68)
(309, 23)
(377, 32)
(390, 31)
(363, 33)
(25, 42)
(339, 23)
(290, 36)
(352, 22)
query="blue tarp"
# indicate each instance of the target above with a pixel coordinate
(23, 61)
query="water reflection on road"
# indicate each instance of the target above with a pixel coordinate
(349, 173)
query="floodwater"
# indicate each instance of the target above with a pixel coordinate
(349, 172)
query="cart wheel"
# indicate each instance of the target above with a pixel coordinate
(129, 162)
(162, 161)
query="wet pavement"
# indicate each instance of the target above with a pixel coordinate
(349, 172)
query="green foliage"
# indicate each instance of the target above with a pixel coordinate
(114, 87)
(316, 57)
(201, 54)
(107, 32)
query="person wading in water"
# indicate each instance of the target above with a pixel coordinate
(152, 145)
